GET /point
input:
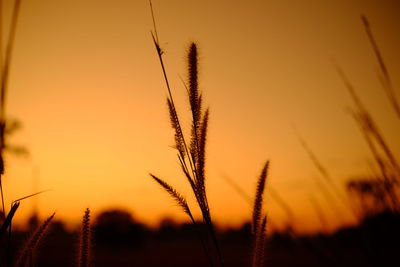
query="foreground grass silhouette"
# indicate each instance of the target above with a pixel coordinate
(192, 158)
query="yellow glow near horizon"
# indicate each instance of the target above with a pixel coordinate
(88, 88)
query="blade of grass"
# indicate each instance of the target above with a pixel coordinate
(31, 195)
(386, 80)
(7, 221)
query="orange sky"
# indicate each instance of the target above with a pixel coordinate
(88, 88)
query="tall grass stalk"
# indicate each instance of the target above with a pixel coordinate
(191, 154)
(7, 226)
(85, 241)
(384, 73)
(181, 201)
(259, 221)
(28, 250)
(380, 150)
(4, 76)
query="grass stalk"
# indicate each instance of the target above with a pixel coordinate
(1, 130)
(7, 60)
(8, 220)
(191, 155)
(258, 201)
(326, 177)
(4, 76)
(380, 150)
(181, 201)
(32, 243)
(367, 123)
(259, 222)
(384, 73)
(85, 238)
(2, 195)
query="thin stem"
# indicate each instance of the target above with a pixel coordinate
(159, 52)
(4, 75)
(324, 172)
(7, 60)
(203, 243)
(215, 241)
(386, 81)
(2, 198)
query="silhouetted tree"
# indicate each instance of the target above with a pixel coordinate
(117, 228)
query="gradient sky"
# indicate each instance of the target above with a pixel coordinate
(87, 86)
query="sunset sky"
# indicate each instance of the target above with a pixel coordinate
(88, 88)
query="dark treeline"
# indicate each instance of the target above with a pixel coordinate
(119, 240)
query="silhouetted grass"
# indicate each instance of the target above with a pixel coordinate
(384, 75)
(259, 222)
(385, 187)
(26, 255)
(380, 150)
(4, 76)
(85, 241)
(191, 154)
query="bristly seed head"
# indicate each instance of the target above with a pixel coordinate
(192, 60)
(193, 82)
(84, 249)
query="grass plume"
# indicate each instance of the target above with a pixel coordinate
(85, 241)
(25, 255)
(191, 154)
(180, 200)
(259, 222)
(258, 200)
